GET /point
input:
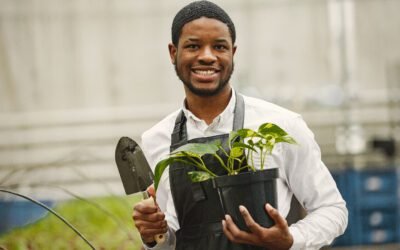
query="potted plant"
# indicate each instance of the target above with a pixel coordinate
(243, 184)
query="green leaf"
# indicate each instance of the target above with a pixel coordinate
(198, 176)
(163, 164)
(286, 139)
(244, 133)
(189, 154)
(232, 136)
(270, 128)
(217, 143)
(236, 152)
(249, 145)
(250, 142)
(160, 168)
(267, 148)
(198, 149)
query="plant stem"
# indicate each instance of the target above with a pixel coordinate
(191, 163)
(247, 166)
(221, 162)
(262, 157)
(224, 151)
(252, 158)
(203, 167)
(198, 163)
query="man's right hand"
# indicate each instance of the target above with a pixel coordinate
(148, 219)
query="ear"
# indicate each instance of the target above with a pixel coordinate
(172, 52)
(234, 50)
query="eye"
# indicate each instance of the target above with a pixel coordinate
(192, 46)
(220, 47)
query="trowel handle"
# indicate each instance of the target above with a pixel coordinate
(159, 238)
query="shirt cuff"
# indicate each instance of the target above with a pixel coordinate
(299, 241)
(169, 242)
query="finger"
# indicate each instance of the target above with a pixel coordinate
(274, 214)
(226, 231)
(145, 207)
(147, 228)
(148, 233)
(152, 227)
(156, 224)
(236, 235)
(151, 232)
(248, 219)
(149, 217)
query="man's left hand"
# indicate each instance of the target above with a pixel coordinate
(276, 237)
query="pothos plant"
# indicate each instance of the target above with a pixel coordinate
(242, 145)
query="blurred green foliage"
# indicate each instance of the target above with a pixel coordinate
(106, 222)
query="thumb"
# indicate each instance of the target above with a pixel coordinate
(151, 191)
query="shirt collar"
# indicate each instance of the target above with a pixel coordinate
(224, 116)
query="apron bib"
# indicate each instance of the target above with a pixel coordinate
(197, 205)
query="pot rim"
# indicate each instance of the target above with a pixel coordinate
(246, 178)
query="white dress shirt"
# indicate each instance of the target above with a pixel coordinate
(301, 171)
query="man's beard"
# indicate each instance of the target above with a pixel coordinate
(205, 92)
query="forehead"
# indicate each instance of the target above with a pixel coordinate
(204, 27)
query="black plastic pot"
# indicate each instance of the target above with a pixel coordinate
(250, 189)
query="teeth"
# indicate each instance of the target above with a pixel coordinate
(205, 72)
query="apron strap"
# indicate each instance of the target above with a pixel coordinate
(179, 135)
(238, 112)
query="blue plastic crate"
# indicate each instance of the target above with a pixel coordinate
(379, 218)
(16, 213)
(342, 240)
(349, 237)
(373, 204)
(377, 201)
(378, 236)
(373, 189)
(398, 203)
(342, 178)
(342, 181)
(377, 181)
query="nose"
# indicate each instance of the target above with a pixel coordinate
(207, 55)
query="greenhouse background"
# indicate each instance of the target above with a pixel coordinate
(77, 75)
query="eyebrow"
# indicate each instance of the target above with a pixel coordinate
(221, 40)
(218, 40)
(192, 39)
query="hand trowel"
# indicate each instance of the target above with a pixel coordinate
(135, 172)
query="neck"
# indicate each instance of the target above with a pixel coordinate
(208, 107)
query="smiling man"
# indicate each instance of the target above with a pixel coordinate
(202, 51)
(203, 56)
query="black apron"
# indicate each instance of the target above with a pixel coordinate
(197, 205)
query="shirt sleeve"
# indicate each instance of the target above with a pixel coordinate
(314, 187)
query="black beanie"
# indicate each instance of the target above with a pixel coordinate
(196, 10)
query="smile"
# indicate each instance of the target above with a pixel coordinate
(204, 72)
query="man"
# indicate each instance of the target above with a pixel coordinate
(202, 51)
